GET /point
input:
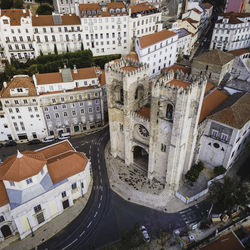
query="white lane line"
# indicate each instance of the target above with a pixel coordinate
(76, 147)
(99, 167)
(95, 214)
(99, 204)
(83, 232)
(70, 244)
(89, 152)
(101, 180)
(98, 161)
(98, 155)
(89, 224)
(101, 197)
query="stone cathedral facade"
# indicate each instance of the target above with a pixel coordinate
(153, 122)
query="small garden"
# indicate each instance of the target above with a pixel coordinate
(193, 174)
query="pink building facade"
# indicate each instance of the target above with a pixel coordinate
(235, 6)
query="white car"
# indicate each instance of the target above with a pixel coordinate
(144, 231)
(64, 136)
(48, 139)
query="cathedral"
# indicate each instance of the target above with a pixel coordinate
(153, 121)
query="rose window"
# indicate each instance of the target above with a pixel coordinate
(143, 131)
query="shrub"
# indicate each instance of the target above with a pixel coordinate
(44, 9)
(194, 172)
(218, 170)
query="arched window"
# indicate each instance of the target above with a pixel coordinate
(118, 94)
(139, 92)
(169, 112)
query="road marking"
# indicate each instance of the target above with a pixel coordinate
(98, 161)
(99, 167)
(185, 211)
(89, 152)
(76, 147)
(101, 197)
(98, 155)
(83, 232)
(95, 214)
(89, 224)
(99, 204)
(70, 244)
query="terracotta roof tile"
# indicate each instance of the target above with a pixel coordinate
(209, 87)
(196, 10)
(59, 169)
(56, 149)
(225, 242)
(233, 18)
(102, 78)
(48, 78)
(237, 115)
(178, 83)
(216, 56)
(240, 52)
(208, 5)
(47, 20)
(84, 73)
(133, 56)
(190, 20)
(19, 82)
(15, 15)
(211, 102)
(4, 199)
(148, 40)
(144, 112)
(18, 169)
(141, 7)
(175, 67)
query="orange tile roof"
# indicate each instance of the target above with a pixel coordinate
(115, 5)
(56, 149)
(18, 169)
(133, 56)
(225, 242)
(211, 102)
(19, 82)
(239, 52)
(59, 169)
(208, 5)
(102, 78)
(84, 73)
(178, 83)
(144, 112)
(15, 15)
(48, 78)
(209, 87)
(175, 67)
(190, 20)
(236, 115)
(156, 37)
(196, 10)
(47, 20)
(141, 7)
(128, 68)
(4, 199)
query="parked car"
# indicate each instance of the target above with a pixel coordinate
(10, 143)
(145, 235)
(64, 136)
(48, 139)
(1, 145)
(35, 141)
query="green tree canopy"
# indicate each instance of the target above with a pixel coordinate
(227, 194)
(18, 4)
(44, 9)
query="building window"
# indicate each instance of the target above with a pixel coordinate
(30, 109)
(73, 186)
(82, 111)
(224, 137)
(169, 113)
(57, 115)
(16, 101)
(29, 180)
(63, 194)
(73, 113)
(121, 127)
(214, 133)
(65, 114)
(163, 148)
(12, 183)
(48, 117)
(53, 100)
(90, 110)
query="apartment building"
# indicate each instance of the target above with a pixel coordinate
(158, 50)
(72, 100)
(17, 34)
(183, 43)
(50, 104)
(36, 186)
(57, 32)
(231, 32)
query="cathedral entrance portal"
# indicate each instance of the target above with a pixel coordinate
(6, 231)
(140, 157)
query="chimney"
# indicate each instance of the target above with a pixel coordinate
(75, 70)
(60, 70)
(5, 84)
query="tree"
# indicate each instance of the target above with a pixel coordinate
(82, 48)
(55, 49)
(67, 49)
(6, 4)
(227, 194)
(218, 170)
(44, 9)
(18, 4)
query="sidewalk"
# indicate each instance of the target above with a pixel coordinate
(50, 228)
(155, 198)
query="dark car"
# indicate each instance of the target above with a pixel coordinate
(35, 141)
(10, 143)
(1, 145)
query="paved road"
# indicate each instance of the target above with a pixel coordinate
(106, 214)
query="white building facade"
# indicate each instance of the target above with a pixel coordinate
(231, 32)
(158, 50)
(43, 191)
